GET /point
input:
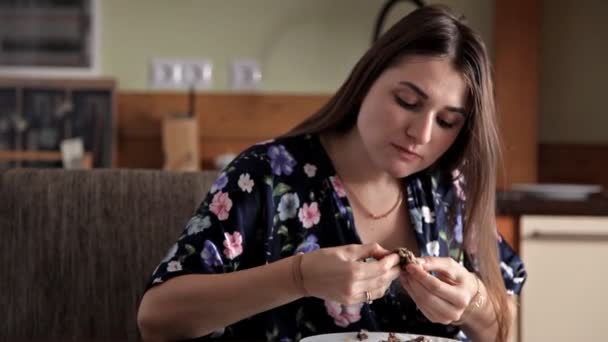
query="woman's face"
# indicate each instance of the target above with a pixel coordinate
(412, 114)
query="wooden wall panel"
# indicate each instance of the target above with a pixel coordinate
(573, 163)
(228, 122)
(139, 153)
(508, 228)
(517, 49)
(255, 116)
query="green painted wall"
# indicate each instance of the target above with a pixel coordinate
(574, 72)
(306, 46)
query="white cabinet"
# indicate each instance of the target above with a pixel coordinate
(566, 295)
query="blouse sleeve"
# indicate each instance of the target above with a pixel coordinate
(226, 232)
(512, 268)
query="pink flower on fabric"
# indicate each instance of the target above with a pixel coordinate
(233, 244)
(220, 205)
(343, 315)
(309, 214)
(338, 186)
(246, 183)
(310, 170)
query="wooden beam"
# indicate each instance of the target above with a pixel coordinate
(517, 44)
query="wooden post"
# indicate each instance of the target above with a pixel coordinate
(517, 50)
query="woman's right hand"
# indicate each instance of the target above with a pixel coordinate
(340, 274)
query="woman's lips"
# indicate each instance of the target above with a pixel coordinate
(406, 154)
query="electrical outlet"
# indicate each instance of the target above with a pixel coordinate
(197, 73)
(181, 73)
(164, 73)
(246, 74)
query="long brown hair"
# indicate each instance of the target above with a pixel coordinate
(436, 31)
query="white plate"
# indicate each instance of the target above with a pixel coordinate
(372, 337)
(559, 191)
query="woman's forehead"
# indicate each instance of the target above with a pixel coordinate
(435, 77)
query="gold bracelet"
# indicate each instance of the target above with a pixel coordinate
(296, 272)
(475, 304)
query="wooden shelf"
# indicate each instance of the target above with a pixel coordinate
(42, 156)
(92, 115)
(52, 82)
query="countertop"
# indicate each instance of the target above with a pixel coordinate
(513, 203)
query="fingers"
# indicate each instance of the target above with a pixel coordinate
(434, 308)
(377, 293)
(434, 285)
(437, 287)
(376, 269)
(359, 278)
(376, 289)
(372, 269)
(370, 291)
(380, 252)
(446, 268)
(376, 286)
(382, 279)
(368, 250)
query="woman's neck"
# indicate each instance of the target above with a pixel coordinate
(352, 161)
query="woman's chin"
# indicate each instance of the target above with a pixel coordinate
(398, 169)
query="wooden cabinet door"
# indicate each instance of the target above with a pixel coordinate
(507, 227)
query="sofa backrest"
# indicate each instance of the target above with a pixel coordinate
(77, 247)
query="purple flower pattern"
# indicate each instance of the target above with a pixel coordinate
(219, 183)
(210, 256)
(281, 161)
(308, 245)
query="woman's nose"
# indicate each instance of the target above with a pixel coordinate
(420, 128)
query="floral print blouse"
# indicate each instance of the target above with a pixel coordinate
(282, 197)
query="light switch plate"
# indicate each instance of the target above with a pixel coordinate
(245, 74)
(179, 73)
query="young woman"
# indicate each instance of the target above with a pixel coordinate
(296, 236)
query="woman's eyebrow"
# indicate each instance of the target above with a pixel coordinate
(415, 88)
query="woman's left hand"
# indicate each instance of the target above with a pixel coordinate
(444, 298)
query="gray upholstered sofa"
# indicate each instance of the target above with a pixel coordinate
(77, 247)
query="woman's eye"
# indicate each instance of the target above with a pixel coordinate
(444, 124)
(405, 104)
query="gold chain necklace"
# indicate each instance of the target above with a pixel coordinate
(369, 213)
